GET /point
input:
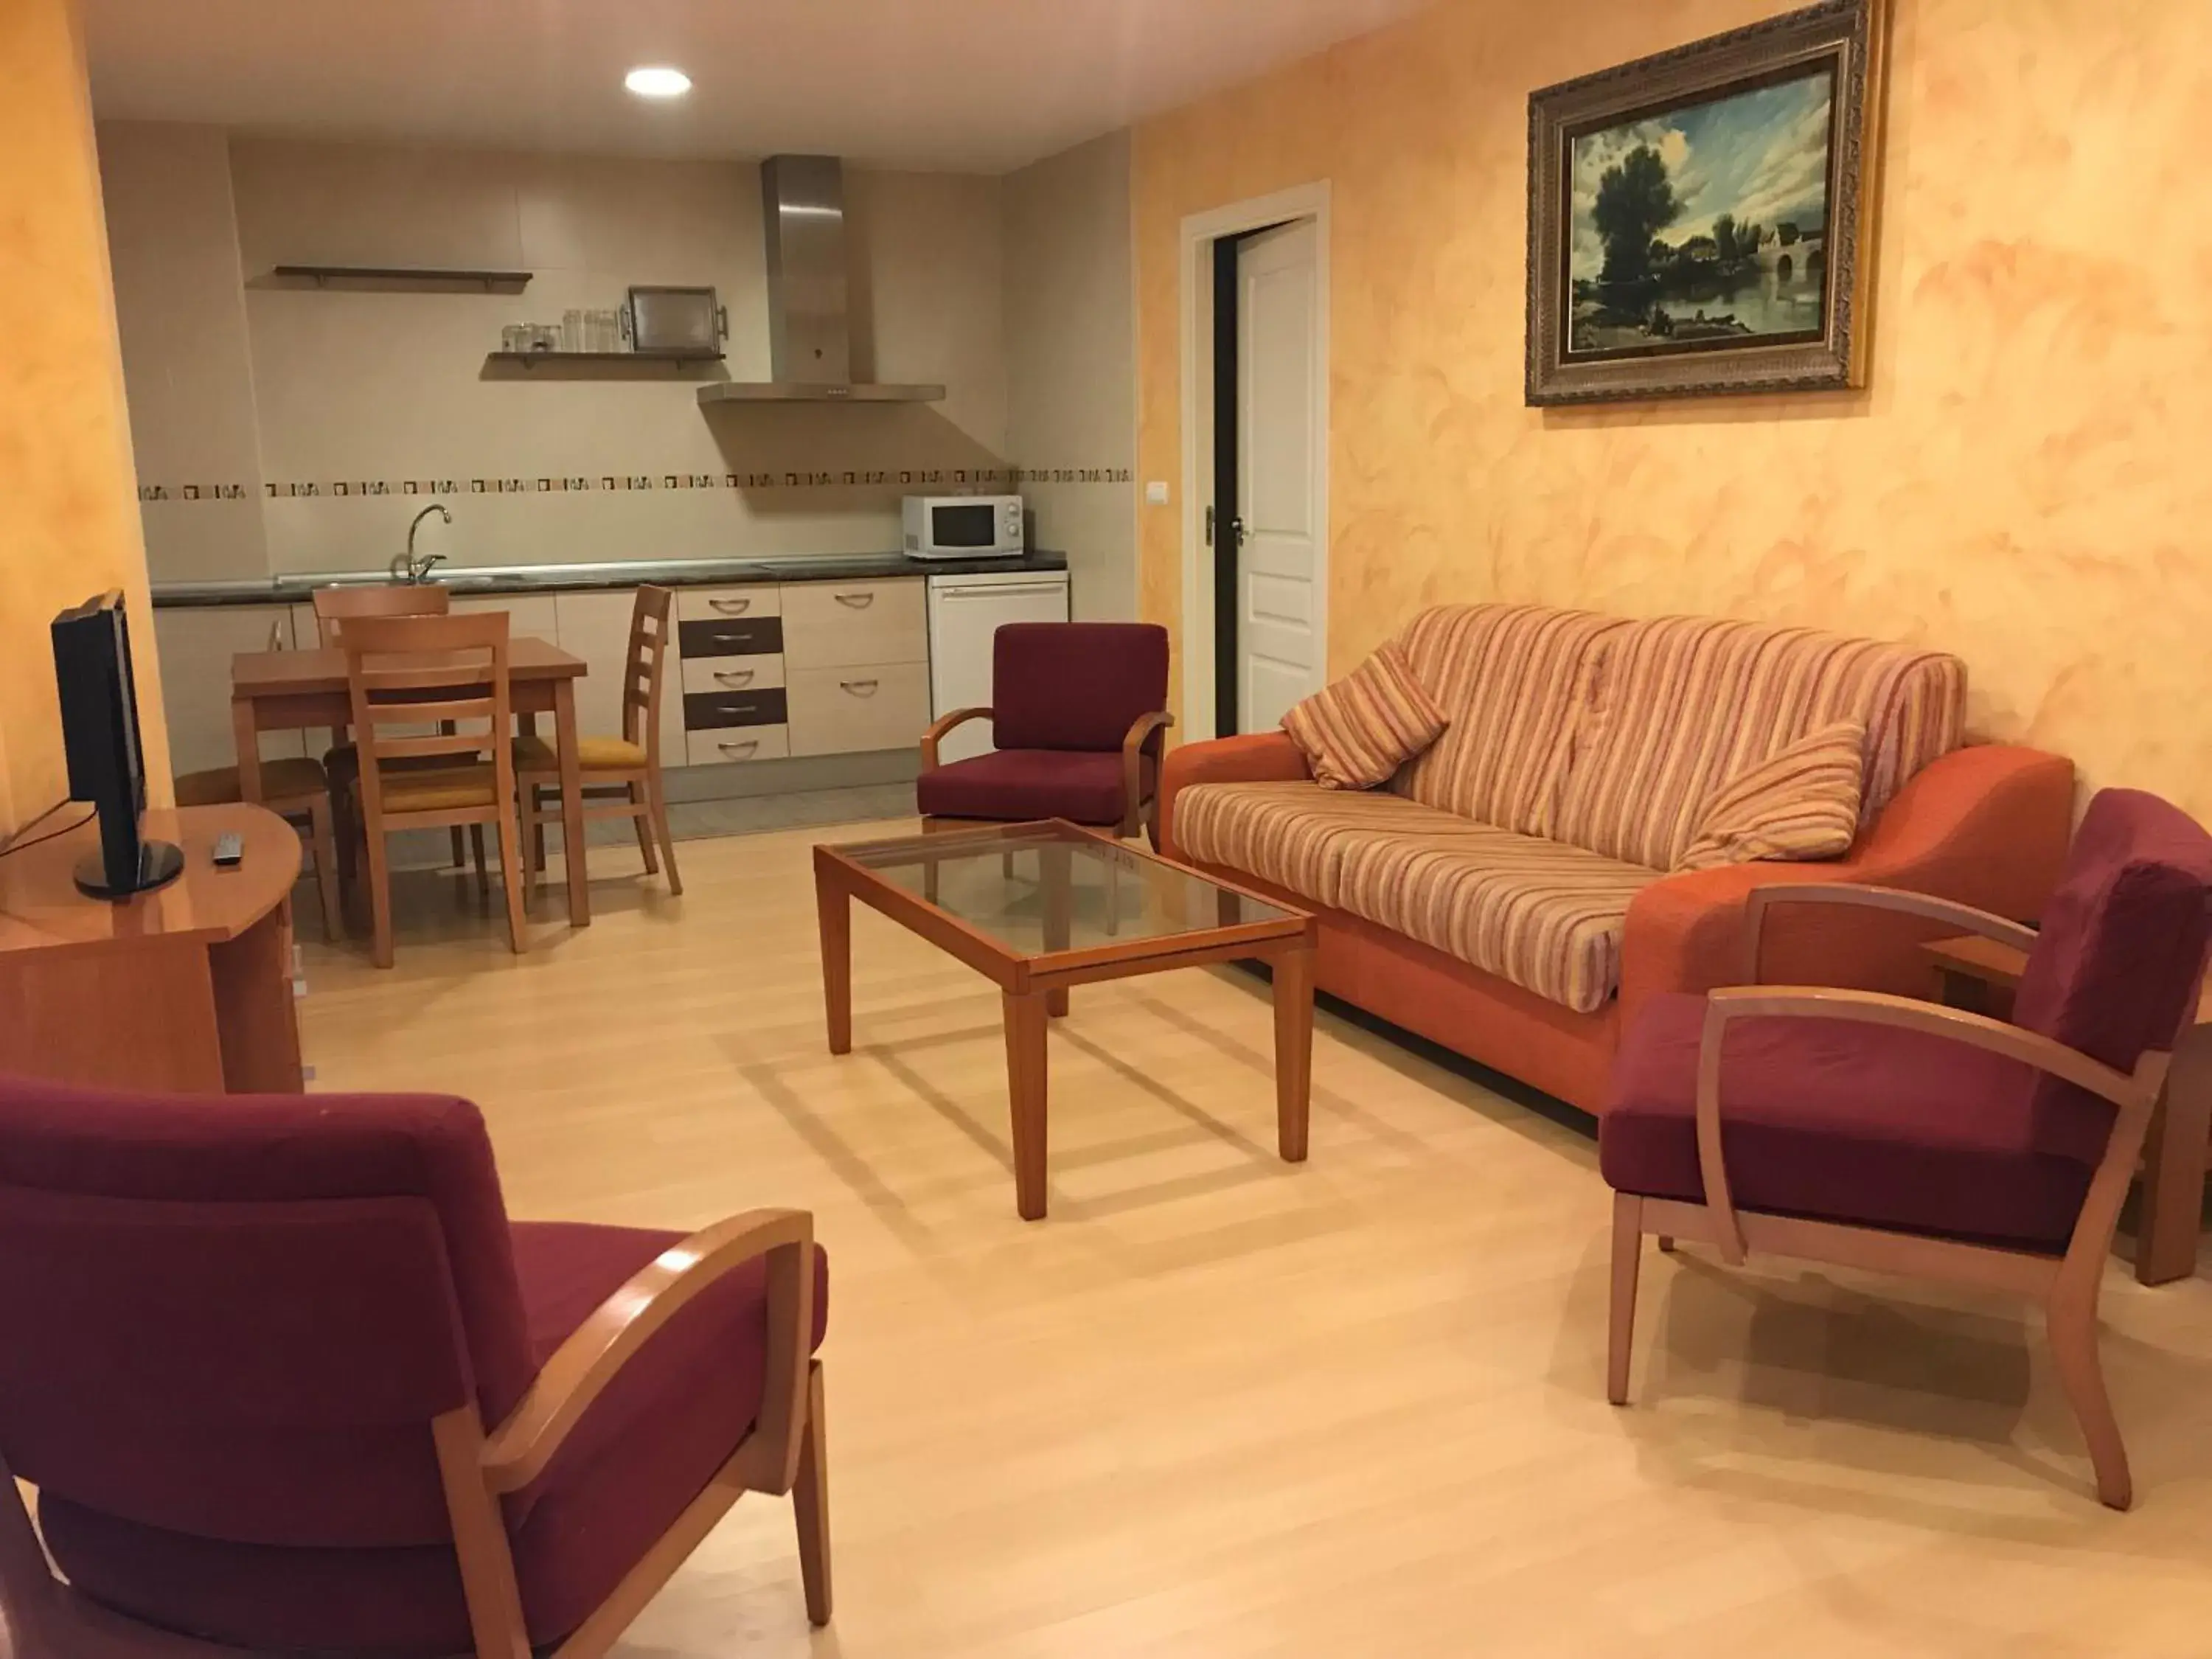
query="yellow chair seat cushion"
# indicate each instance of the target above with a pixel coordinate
(535, 754)
(445, 788)
(294, 778)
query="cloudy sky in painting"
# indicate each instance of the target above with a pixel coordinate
(1760, 155)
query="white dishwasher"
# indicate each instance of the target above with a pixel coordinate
(965, 612)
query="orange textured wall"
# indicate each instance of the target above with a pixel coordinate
(2024, 481)
(69, 508)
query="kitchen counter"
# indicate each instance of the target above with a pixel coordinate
(580, 578)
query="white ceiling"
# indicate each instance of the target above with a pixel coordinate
(967, 85)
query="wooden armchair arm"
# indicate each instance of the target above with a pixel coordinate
(1963, 917)
(938, 727)
(1147, 726)
(518, 1451)
(2135, 1097)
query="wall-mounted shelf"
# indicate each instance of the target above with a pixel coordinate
(536, 360)
(393, 279)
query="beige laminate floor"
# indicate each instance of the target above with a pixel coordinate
(1216, 1406)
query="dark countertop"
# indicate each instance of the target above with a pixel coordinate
(579, 578)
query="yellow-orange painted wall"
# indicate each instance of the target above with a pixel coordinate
(2027, 480)
(68, 509)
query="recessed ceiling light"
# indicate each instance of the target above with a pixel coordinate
(656, 81)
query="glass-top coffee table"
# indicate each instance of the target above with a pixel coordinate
(1037, 907)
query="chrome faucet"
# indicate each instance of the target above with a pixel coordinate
(406, 566)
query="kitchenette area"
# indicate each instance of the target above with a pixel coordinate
(841, 412)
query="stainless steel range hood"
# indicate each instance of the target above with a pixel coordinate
(809, 337)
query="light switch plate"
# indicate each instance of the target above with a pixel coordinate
(1156, 492)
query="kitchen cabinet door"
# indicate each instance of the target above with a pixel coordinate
(197, 644)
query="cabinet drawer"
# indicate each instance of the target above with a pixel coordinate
(727, 604)
(842, 711)
(760, 636)
(854, 624)
(704, 711)
(736, 744)
(732, 673)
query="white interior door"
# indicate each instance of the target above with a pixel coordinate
(1277, 535)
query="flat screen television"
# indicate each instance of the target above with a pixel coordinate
(100, 736)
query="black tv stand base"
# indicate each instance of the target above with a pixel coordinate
(159, 863)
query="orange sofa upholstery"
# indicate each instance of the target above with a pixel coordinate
(1511, 894)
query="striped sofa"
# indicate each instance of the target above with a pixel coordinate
(1515, 892)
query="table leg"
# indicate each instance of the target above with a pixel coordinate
(247, 736)
(1058, 868)
(834, 906)
(1293, 1051)
(2174, 1164)
(1025, 1090)
(572, 804)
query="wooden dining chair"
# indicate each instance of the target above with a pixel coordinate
(332, 607)
(622, 774)
(402, 671)
(294, 788)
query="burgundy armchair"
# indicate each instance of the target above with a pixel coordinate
(1876, 1131)
(1078, 714)
(286, 1379)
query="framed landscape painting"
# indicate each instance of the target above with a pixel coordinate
(1698, 222)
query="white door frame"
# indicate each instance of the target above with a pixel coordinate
(1200, 230)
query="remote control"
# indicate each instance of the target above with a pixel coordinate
(229, 850)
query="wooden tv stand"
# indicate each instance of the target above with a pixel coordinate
(188, 988)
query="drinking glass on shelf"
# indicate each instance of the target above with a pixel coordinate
(572, 330)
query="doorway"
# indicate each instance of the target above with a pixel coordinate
(1256, 457)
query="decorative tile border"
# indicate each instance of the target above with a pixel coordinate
(847, 478)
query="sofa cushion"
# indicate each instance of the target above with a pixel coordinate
(1510, 679)
(1866, 1124)
(642, 1451)
(1681, 705)
(1360, 730)
(1293, 835)
(1546, 916)
(1802, 804)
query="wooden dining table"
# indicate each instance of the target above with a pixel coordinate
(297, 691)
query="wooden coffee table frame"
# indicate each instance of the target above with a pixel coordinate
(1035, 987)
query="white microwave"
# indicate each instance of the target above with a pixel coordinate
(963, 526)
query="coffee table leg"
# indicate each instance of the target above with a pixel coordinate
(835, 907)
(1293, 1051)
(1025, 1088)
(2173, 1164)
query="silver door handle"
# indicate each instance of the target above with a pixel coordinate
(860, 688)
(741, 676)
(1236, 530)
(731, 607)
(858, 601)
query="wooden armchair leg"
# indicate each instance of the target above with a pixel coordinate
(460, 849)
(477, 846)
(656, 802)
(2071, 1321)
(809, 1502)
(1620, 1327)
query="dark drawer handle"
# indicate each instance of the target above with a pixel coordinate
(745, 748)
(736, 678)
(860, 688)
(731, 607)
(858, 601)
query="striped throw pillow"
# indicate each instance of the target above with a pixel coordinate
(1361, 729)
(1802, 803)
